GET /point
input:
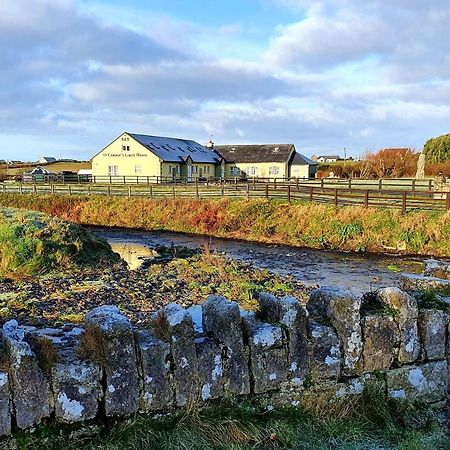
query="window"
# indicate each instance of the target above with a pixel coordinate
(125, 148)
(252, 171)
(235, 172)
(206, 169)
(194, 169)
(138, 170)
(274, 170)
(113, 171)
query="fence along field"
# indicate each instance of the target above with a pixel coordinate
(405, 194)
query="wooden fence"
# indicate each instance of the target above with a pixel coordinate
(312, 192)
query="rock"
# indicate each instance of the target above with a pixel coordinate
(5, 407)
(427, 383)
(406, 305)
(412, 283)
(342, 309)
(181, 331)
(210, 368)
(325, 352)
(356, 386)
(116, 342)
(437, 269)
(31, 389)
(222, 321)
(154, 369)
(294, 319)
(268, 356)
(433, 325)
(381, 336)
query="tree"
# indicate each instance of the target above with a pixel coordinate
(437, 149)
(392, 162)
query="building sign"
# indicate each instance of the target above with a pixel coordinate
(126, 154)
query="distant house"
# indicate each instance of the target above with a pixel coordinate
(47, 160)
(132, 155)
(267, 160)
(328, 158)
(39, 173)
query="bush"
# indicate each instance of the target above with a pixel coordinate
(437, 149)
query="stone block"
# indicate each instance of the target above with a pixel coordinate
(184, 356)
(210, 368)
(157, 391)
(5, 406)
(437, 269)
(341, 309)
(222, 321)
(293, 317)
(406, 305)
(325, 352)
(433, 326)
(268, 356)
(413, 282)
(31, 394)
(427, 382)
(381, 337)
(116, 343)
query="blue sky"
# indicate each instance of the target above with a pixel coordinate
(324, 75)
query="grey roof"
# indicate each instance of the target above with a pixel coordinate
(329, 156)
(301, 160)
(254, 153)
(177, 150)
(48, 159)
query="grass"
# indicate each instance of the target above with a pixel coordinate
(367, 422)
(349, 228)
(34, 243)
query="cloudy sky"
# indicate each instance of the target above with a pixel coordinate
(324, 75)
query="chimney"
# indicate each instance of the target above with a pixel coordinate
(210, 144)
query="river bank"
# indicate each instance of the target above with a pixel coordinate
(318, 226)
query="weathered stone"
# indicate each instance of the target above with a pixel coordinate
(433, 325)
(222, 320)
(268, 356)
(116, 342)
(427, 383)
(185, 376)
(154, 369)
(381, 336)
(326, 352)
(356, 386)
(294, 318)
(406, 305)
(31, 389)
(437, 269)
(342, 309)
(210, 368)
(5, 407)
(412, 283)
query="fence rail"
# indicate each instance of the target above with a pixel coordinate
(275, 190)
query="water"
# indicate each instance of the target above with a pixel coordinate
(355, 271)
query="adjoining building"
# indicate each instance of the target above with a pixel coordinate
(137, 155)
(132, 155)
(266, 161)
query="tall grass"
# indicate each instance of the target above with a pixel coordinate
(312, 225)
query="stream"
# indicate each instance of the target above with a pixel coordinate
(359, 272)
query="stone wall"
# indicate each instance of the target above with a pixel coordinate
(335, 344)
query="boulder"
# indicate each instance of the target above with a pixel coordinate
(413, 283)
(222, 322)
(406, 319)
(437, 269)
(115, 337)
(325, 352)
(427, 383)
(185, 375)
(5, 406)
(157, 390)
(433, 325)
(31, 396)
(381, 337)
(341, 309)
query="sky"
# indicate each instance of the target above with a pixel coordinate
(326, 75)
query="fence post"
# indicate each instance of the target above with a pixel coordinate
(289, 193)
(129, 191)
(380, 184)
(235, 183)
(311, 193)
(336, 196)
(20, 189)
(430, 185)
(267, 191)
(173, 191)
(447, 203)
(222, 187)
(254, 183)
(196, 188)
(151, 191)
(403, 201)
(275, 183)
(124, 181)
(366, 198)
(321, 183)
(350, 183)
(109, 190)
(89, 189)
(248, 191)
(414, 187)
(298, 188)
(70, 189)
